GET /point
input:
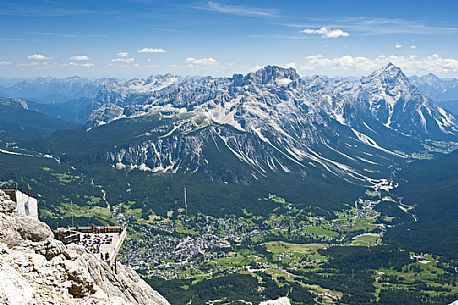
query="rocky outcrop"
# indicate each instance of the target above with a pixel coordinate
(14, 102)
(37, 269)
(279, 301)
(105, 114)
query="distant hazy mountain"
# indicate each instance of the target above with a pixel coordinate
(18, 122)
(75, 111)
(6, 82)
(444, 92)
(49, 90)
(435, 87)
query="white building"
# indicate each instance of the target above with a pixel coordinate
(25, 205)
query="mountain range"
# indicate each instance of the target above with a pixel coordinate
(49, 90)
(444, 92)
(273, 121)
(265, 131)
(436, 88)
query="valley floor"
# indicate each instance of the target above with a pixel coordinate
(307, 256)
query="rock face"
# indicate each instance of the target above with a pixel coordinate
(37, 269)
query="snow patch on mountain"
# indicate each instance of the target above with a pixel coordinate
(283, 81)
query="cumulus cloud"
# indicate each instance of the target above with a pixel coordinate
(79, 58)
(38, 57)
(398, 46)
(151, 50)
(208, 61)
(5, 63)
(413, 46)
(327, 32)
(127, 60)
(291, 65)
(79, 64)
(123, 54)
(410, 64)
(356, 62)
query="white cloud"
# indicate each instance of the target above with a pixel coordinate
(79, 58)
(79, 64)
(5, 63)
(238, 10)
(208, 61)
(327, 32)
(123, 54)
(38, 57)
(291, 65)
(151, 50)
(34, 63)
(126, 60)
(359, 64)
(413, 46)
(398, 45)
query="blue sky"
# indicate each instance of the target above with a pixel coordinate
(143, 37)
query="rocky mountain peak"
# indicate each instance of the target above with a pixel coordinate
(390, 74)
(389, 80)
(272, 74)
